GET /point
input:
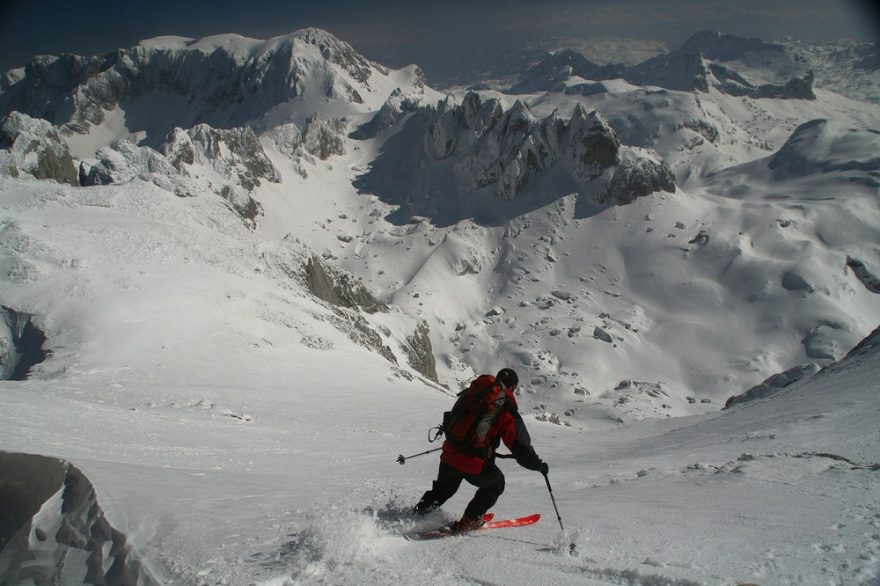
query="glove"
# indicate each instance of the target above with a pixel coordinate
(544, 468)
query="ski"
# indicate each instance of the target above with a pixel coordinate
(488, 524)
(518, 522)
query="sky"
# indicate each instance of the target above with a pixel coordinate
(447, 39)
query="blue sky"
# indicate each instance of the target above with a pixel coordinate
(444, 38)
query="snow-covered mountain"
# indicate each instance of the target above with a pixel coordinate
(730, 64)
(253, 260)
(850, 68)
(224, 81)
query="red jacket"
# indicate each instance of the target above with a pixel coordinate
(509, 428)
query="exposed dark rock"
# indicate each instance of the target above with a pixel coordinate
(21, 344)
(324, 139)
(774, 384)
(358, 330)
(638, 177)
(511, 149)
(868, 279)
(339, 288)
(420, 353)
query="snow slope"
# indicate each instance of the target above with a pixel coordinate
(236, 429)
(223, 459)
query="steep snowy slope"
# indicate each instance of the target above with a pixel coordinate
(233, 432)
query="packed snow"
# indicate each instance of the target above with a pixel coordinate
(235, 428)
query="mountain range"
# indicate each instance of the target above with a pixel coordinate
(195, 226)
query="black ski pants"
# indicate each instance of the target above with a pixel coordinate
(489, 483)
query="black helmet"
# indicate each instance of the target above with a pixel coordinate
(507, 377)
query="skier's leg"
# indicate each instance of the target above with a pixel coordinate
(446, 485)
(490, 485)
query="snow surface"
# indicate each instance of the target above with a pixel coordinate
(236, 434)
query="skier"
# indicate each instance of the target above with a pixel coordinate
(462, 462)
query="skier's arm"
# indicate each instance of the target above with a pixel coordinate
(516, 438)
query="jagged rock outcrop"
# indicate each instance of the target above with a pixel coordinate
(124, 160)
(511, 149)
(53, 530)
(230, 163)
(338, 287)
(234, 153)
(317, 139)
(30, 146)
(868, 279)
(420, 353)
(774, 384)
(323, 138)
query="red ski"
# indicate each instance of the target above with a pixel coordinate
(488, 524)
(530, 520)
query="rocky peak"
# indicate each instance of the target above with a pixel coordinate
(593, 145)
(340, 53)
(34, 147)
(559, 66)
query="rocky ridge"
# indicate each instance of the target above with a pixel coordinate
(512, 149)
(226, 81)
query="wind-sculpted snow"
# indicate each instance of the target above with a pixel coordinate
(56, 531)
(819, 146)
(817, 151)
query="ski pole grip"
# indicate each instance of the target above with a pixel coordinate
(401, 460)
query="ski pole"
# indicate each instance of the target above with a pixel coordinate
(552, 498)
(402, 459)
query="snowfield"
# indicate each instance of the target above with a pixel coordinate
(207, 414)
